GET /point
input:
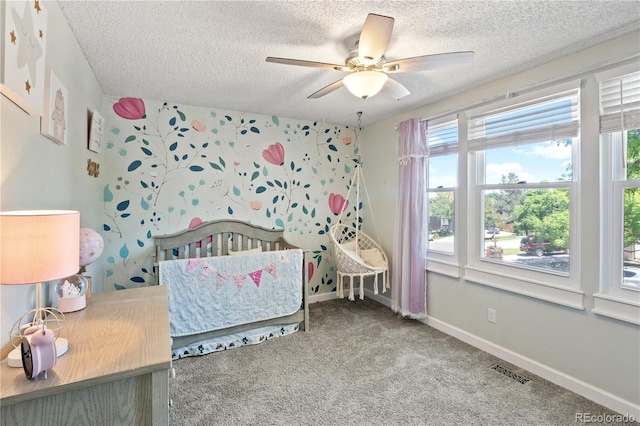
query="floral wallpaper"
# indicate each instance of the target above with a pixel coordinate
(169, 167)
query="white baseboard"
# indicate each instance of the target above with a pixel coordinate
(380, 297)
(591, 392)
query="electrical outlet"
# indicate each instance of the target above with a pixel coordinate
(491, 315)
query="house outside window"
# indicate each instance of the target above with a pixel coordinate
(523, 194)
(619, 295)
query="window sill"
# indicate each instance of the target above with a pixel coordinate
(449, 269)
(617, 308)
(565, 296)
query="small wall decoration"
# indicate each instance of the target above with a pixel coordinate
(25, 43)
(93, 168)
(53, 123)
(96, 130)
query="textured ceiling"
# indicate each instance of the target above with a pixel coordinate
(212, 53)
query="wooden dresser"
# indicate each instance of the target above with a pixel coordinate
(115, 372)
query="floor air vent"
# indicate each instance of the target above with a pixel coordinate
(515, 376)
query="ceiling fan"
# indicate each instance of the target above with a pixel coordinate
(368, 68)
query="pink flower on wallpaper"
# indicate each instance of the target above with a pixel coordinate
(195, 222)
(337, 203)
(347, 140)
(309, 271)
(198, 125)
(130, 108)
(274, 154)
(256, 204)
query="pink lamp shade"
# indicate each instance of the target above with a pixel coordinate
(38, 245)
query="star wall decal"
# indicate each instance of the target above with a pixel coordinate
(27, 86)
(36, 5)
(13, 37)
(41, 34)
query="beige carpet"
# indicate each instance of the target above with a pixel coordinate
(362, 365)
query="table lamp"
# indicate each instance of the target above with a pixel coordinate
(38, 246)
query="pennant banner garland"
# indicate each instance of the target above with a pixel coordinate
(207, 270)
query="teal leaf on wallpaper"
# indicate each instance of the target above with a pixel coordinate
(256, 165)
(214, 131)
(228, 117)
(201, 182)
(146, 151)
(222, 162)
(134, 165)
(144, 204)
(331, 180)
(172, 122)
(175, 157)
(184, 157)
(347, 169)
(195, 202)
(306, 195)
(181, 193)
(129, 139)
(314, 170)
(243, 131)
(268, 213)
(236, 191)
(277, 182)
(122, 152)
(180, 135)
(124, 252)
(122, 205)
(184, 129)
(229, 210)
(279, 223)
(313, 213)
(213, 114)
(305, 210)
(140, 243)
(137, 279)
(222, 122)
(275, 120)
(106, 227)
(290, 217)
(107, 195)
(149, 197)
(119, 287)
(195, 168)
(137, 128)
(215, 166)
(255, 130)
(125, 215)
(332, 147)
(146, 142)
(254, 176)
(109, 145)
(111, 260)
(115, 130)
(265, 172)
(171, 209)
(109, 272)
(183, 212)
(173, 146)
(181, 114)
(275, 199)
(192, 187)
(260, 189)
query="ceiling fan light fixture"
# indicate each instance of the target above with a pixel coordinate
(365, 84)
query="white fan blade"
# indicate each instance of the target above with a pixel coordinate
(429, 62)
(302, 63)
(394, 90)
(374, 38)
(326, 89)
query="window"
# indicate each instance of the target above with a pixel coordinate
(619, 295)
(442, 177)
(523, 194)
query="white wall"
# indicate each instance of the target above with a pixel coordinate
(36, 173)
(593, 354)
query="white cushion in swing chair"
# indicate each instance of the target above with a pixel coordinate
(373, 257)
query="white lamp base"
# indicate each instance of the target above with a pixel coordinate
(15, 357)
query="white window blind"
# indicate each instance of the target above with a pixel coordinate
(619, 99)
(442, 138)
(547, 115)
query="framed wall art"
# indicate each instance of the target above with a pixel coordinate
(96, 130)
(53, 123)
(25, 43)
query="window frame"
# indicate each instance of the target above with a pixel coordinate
(446, 263)
(561, 289)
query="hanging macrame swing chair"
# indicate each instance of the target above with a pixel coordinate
(357, 254)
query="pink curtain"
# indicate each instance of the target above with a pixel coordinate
(410, 247)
